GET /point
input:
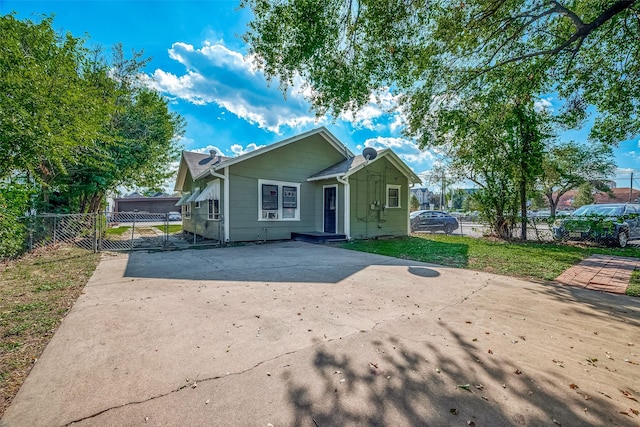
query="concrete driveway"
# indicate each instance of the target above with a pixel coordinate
(298, 334)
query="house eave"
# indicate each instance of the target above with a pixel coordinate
(322, 178)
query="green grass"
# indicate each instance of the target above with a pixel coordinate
(36, 292)
(519, 259)
(117, 231)
(172, 228)
(634, 285)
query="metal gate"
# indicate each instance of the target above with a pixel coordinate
(111, 231)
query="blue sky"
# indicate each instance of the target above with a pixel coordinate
(200, 63)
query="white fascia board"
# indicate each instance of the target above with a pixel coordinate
(323, 177)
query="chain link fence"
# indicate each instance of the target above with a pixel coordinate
(596, 231)
(122, 231)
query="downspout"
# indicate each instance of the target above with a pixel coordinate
(347, 205)
(226, 203)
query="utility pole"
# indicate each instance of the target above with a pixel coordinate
(442, 193)
(631, 188)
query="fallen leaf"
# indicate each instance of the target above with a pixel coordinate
(573, 386)
(603, 393)
(438, 370)
(471, 423)
(206, 402)
(635, 411)
(517, 372)
(490, 351)
(522, 338)
(475, 339)
(628, 395)
(454, 411)
(625, 413)
(464, 386)
(480, 387)
(467, 321)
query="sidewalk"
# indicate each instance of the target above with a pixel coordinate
(603, 273)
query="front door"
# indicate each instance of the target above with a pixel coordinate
(330, 202)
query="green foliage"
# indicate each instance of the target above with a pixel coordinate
(47, 107)
(569, 165)
(432, 52)
(584, 196)
(14, 205)
(77, 123)
(634, 284)
(415, 203)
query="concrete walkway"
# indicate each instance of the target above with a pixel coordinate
(295, 334)
(603, 273)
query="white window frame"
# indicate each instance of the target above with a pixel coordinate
(398, 188)
(211, 206)
(186, 211)
(277, 214)
(197, 206)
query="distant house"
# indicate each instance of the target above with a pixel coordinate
(159, 203)
(620, 195)
(310, 183)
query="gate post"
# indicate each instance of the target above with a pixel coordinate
(55, 228)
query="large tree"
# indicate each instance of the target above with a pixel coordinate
(498, 143)
(587, 51)
(47, 108)
(76, 123)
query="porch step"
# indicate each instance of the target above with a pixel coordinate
(318, 237)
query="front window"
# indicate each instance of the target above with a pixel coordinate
(186, 210)
(393, 196)
(278, 201)
(214, 209)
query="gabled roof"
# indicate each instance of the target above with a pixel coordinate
(322, 131)
(197, 164)
(352, 165)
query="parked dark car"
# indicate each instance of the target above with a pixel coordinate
(433, 221)
(614, 223)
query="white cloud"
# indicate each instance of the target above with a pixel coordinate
(406, 149)
(217, 75)
(208, 149)
(376, 115)
(238, 150)
(543, 104)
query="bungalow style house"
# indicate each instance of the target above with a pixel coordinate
(310, 183)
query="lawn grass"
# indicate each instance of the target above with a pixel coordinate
(36, 292)
(172, 228)
(538, 261)
(117, 231)
(634, 285)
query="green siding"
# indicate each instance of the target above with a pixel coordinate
(294, 163)
(369, 217)
(199, 223)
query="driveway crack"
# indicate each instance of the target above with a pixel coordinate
(217, 377)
